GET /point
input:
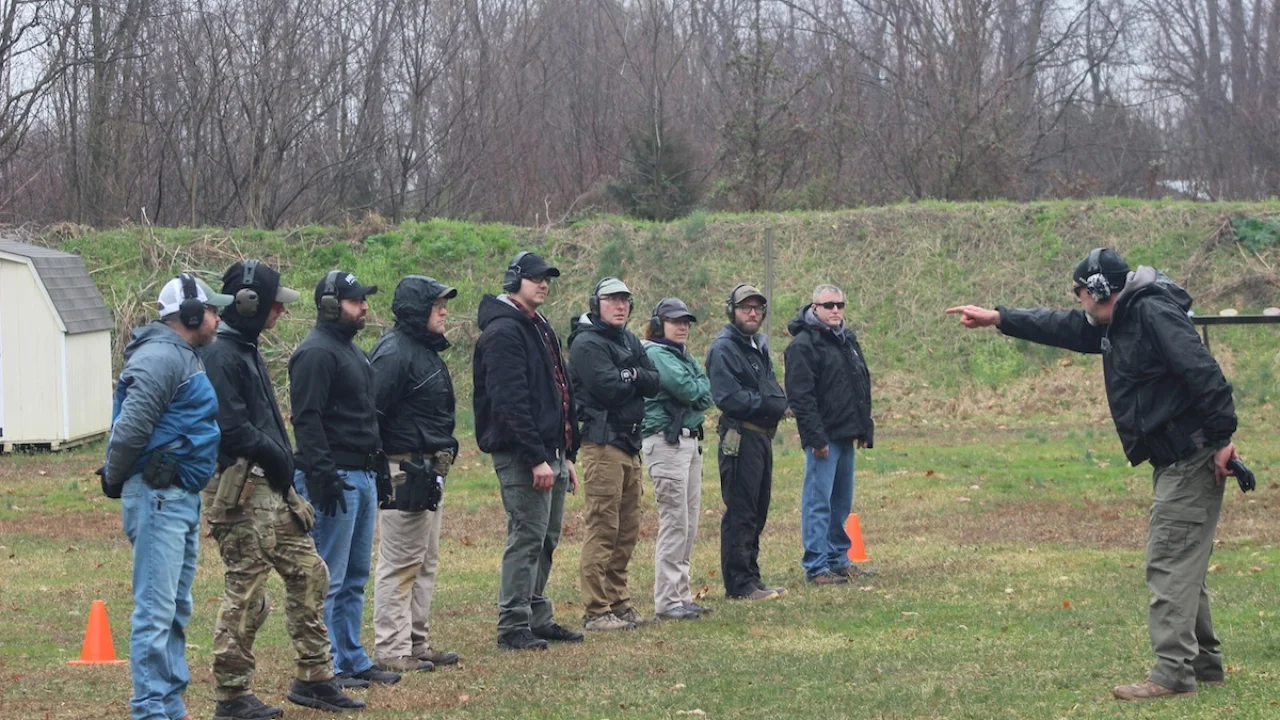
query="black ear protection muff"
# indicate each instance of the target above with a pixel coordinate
(191, 310)
(330, 307)
(593, 301)
(511, 281)
(1095, 283)
(655, 325)
(729, 306)
(247, 297)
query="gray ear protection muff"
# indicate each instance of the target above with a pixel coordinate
(191, 310)
(511, 280)
(1095, 283)
(729, 306)
(329, 306)
(247, 297)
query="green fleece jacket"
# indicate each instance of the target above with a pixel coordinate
(683, 382)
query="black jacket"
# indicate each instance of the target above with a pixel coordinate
(248, 414)
(1166, 391)
(611, 376)
(517, 406)
(742, 381)
(828, 384)
(331, 387)
(414, 392)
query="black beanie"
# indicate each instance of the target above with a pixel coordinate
(1108, 262)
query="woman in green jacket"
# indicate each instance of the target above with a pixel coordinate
(671, 430)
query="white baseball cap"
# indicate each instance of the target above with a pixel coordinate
(172, 295)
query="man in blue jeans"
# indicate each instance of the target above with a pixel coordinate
(335, 424)
(161, 453)
(829, 390)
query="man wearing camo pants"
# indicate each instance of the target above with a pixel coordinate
(258, 520)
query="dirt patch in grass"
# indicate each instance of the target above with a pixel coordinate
(95, 525)
(1121, 524)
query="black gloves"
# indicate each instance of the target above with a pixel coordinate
(277, 465)
(1244, 476)
(327, 494)
(111, 491)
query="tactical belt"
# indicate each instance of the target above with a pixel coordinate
(695, 433)
(632, 429)
(354, 461)
(756, 428)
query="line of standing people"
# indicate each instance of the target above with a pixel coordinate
(196, 423)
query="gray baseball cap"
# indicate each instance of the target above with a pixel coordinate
(611, 286)
(673, 309)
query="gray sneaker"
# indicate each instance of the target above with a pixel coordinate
(630, 615)
(679, 612)
(607, 621)
(700, 609)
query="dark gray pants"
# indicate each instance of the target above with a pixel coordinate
(533, 532)
(1184, 515)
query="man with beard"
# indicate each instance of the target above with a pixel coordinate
(611, 376)
(335, 423)
(829, 390)
(255, 515)
(1172, 407)
(752, 403)
(414, 395)
(160, 454)
(523, 408)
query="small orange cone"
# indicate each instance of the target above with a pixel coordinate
(98, 648)
(852, 528)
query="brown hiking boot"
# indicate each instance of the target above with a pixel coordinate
(607, 621)
(826, 577)
(630, 615)
(853, 571)
(435, 657)
(1147, 690)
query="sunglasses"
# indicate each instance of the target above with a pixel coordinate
(1076, 290)
(831, 305)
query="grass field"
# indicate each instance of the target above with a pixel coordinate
(1010, 585)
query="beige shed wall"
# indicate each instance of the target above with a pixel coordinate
(88, 383)
(31, 338)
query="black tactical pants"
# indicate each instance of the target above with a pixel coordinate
(745, 485)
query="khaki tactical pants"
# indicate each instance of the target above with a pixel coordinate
(1184, 516)
(405, 579)
(612, 482)
(677, 487)
(261, 537)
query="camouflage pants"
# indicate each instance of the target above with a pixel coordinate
(255, 540)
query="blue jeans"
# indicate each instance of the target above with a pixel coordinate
(825, 503)
(164, 528)
(345, 542)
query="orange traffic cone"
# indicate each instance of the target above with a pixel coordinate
(98, 648)
(852, 528)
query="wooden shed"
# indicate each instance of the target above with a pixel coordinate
(55, 349)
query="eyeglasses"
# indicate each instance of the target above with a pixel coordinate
(831, 305)
(752, 309)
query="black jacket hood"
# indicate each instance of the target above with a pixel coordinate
(494, 307)
(1146, 281)
(588, 322)
(266, 282)
(415, 296)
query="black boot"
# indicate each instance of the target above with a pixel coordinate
(245, 707)
(322, 696)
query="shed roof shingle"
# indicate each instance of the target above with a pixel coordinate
(65, 278)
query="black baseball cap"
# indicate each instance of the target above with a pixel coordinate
(531, 265)
(1108, 263)
(345, 287)
(673, 309)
